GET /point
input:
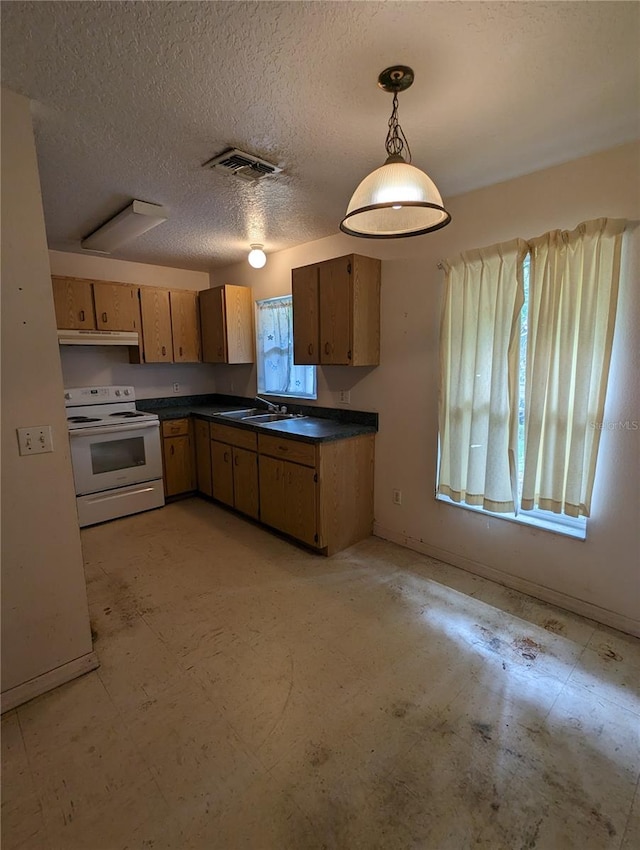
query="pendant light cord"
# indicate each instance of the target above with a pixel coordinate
(396, 140)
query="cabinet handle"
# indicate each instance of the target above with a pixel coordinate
(349, 354)
(104, 318)
(220, 351)
(164, 350)
(81, 315)
(327, 347)
(225, 457)
(180, 349)
(282, 448)
(235, 460)
(172, 450)
(310, 349)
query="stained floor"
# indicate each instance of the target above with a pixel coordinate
(252, 695)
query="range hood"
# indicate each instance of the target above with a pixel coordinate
(97, 337)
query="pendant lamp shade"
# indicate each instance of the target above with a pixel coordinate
(396, 199)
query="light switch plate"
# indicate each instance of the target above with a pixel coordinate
(35, 440)
(345, 396)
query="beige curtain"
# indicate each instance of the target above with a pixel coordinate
(479, 340)
(573, 292)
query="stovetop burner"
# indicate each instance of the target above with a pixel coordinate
(127, 414)
(83, 418)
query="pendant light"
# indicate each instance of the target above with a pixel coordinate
(397, 199)
(257, 257)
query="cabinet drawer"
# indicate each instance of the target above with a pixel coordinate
(175, 427)
(234, 436)
(293, 450)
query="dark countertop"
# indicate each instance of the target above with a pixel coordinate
(310, 429)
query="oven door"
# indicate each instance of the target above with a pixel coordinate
(113, 456)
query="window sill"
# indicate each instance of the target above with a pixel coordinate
(566, 526)
(288, 395)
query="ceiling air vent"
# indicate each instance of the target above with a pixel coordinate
(244, 165)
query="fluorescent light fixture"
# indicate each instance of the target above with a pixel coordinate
(133, 221)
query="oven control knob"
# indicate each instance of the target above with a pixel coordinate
(117, 392)
(127, 392)
(67, 395)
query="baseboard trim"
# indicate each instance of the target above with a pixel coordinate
(539, 591)
(48, 681)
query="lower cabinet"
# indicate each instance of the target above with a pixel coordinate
(178, 457)
(234, 468)
(203, 456)
(318, 493)
(288, 498)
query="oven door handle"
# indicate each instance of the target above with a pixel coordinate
(113, 429)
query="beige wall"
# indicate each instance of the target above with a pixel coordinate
(45, 620)
(92, 366)
(597, 576)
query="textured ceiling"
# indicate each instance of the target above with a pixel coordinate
(132, 98)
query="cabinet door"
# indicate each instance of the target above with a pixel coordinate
(178, 465)
(306, 329)
(212, 323)
(117, 307)
(245, 482)
(203, 456)
(238, 319)
(335, 311)
(301, 502)
(272, 498)
(222, 472)
(73, 302)
(365, 316)
(156, 325)
(185, 326)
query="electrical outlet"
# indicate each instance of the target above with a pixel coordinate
(345, 397)
(36, 440)
(176, 387)
(397, 497)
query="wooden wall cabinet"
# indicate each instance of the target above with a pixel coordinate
(185, 326)
(320, 494)
(170, 325)
(167, 320)
(336, 312)
(117, 306)
(95, 305)
(234, 468)
(178, 457)
(157, 339)
(226, 319)
(73, 302)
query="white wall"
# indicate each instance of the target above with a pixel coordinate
(88, 365)
(598, 576)
(45, 620)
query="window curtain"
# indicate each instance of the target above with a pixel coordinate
(275, 336)
(573, 291)
(277, 374)
(479, 355)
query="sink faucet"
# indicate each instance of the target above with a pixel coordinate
(272, 408)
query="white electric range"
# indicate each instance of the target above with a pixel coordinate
(115, 452)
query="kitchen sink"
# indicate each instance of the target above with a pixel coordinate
(241, 414)
(270, 417)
